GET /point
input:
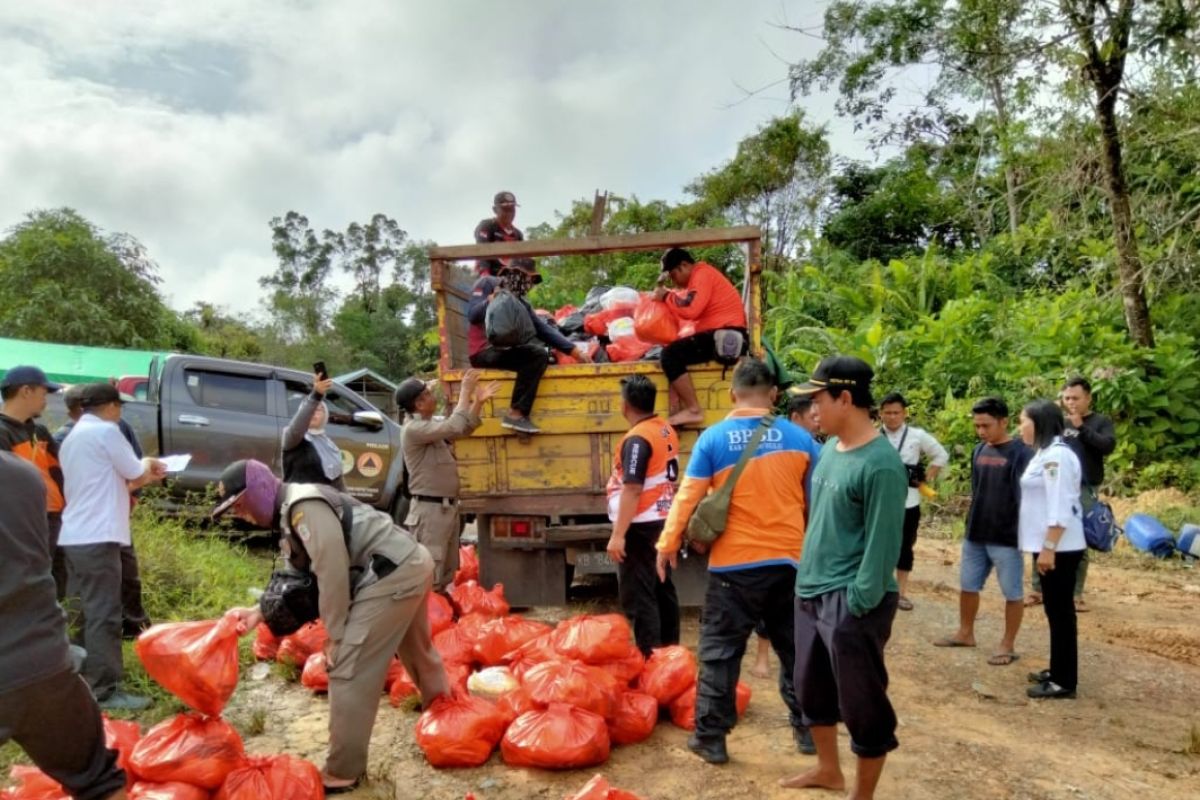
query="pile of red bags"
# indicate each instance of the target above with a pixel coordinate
(471, 598)
(295, 649)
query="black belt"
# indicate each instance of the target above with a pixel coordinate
(424, 498)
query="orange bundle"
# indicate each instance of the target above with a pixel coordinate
(653, 321)
(668, 673)
(167, 791)
(195, 661)
(598, 788)
(597, 324)
(459, 731)
(439, 611)
(468, 565)
(297, 647)
(471, 598)
(635, 718)
(188, 748)
(315, 675)
(575, 684)
(683, 708)
(627, 668)
(498, 638)
(535, 651)
(281, 777)
(594, 639)
(266, 644)
(455, 645)
(122, 735)
(560, 737)
(30, 783)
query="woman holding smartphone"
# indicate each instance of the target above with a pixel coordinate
(1051, 527)
(309, 455)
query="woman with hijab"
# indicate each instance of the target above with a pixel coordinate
(309, 455)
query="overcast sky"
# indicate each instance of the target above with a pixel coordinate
(190, 125)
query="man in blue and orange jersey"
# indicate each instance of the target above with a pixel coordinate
(752, 566)
(645, 469)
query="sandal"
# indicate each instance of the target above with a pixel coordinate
(904, 604)
(1081, 607)
(1033, 599)
(949, 641)
(349, 787)
(1003, 659)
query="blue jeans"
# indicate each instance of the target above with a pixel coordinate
(978, 561)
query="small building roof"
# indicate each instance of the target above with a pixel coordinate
(367, 377)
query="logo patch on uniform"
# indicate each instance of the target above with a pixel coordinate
(299, 526)
(1052, 469)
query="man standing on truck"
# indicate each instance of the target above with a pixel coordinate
(645, 469)
(309, 454)
(498, 228)
(846, 591)
(529, 361)
(371, 583)
(710, 301)
(99, 471)
(752, 566)
(432, 471)
(24, 391)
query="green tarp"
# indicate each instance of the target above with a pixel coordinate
(68, 363)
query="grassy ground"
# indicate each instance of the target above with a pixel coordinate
(185, 576)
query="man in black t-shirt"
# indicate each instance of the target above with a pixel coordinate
(499, 228)
(991, 541)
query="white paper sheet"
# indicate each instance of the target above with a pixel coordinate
(176, 463)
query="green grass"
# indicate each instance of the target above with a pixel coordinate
(186, 575)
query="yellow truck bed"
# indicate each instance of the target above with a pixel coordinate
(539, 500)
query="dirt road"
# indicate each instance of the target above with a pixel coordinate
(967, 729)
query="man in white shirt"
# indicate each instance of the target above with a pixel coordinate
(100, 469)
(914, 445)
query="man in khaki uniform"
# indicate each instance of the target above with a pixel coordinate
(373, 580)
(432, 471)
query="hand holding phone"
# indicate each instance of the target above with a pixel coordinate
(319, 370)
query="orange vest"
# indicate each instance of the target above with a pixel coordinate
(38, 453)
(661, 473)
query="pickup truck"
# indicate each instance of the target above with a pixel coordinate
(219, 411)
(540, 501)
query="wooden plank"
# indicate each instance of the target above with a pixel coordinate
(598, 244)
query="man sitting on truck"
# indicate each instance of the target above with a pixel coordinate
(710, 301)
(645, 469)
(529, 361)
(753, 564)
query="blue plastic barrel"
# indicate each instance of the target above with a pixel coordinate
(1149, 535)
(1189, 540)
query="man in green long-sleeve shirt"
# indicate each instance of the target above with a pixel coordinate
(846, 592)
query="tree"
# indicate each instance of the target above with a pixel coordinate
(62, 279)
(221, 335)
(302, 298)
(365, 252)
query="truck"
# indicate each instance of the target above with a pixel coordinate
(220, 411)
(539, 501)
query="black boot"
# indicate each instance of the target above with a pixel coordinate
(711, 749)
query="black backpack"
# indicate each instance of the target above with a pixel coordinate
(507, 321)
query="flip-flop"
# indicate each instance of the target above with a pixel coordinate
(946, 641)
(1081, 607)
(1033, 600)
(904, 604)
(349, 787)
(1004, 659)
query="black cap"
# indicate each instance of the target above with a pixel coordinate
(408, 391)
(27, 376)
(523, 264)
(846, 372)
(504, 199)
(230, 487)
(93, 395)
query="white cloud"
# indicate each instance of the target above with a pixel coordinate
(191, 125)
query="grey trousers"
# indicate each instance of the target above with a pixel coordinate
(386, 619)
(57, 723)
(437, 526)
(94, 576)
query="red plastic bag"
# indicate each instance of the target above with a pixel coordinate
(188, 748)
(594, 639)
(296, 648)
(456, 645)
(597, 324)
(635, 718)
(668, 673)
(280, 777)
(315, 675)
(683, 708)
(460, 731)
(564, 312)
(598, 788)
(402, 687)
(498, 638)
(534, 652)
(468, 565)
(30, 783)
(515, 703)
(561, 737)
(574, 684)
(122, 735)
(627, 668)
(167, 791)
(471, 598)
(653, 322)
(195, 661)
(266, 644)
(439, 611)
(627, 348)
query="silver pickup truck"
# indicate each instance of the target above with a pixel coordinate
(219, 411)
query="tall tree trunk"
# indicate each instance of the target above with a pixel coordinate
(1010, 175)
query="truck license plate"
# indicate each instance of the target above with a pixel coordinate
(594, 563)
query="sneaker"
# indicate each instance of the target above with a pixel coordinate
(120, 701)
(1050, 691)
(77, 655)
(519, 424)
(1039, 677)
(804, 741)
(711, 750)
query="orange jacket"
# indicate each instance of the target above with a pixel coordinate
(710, 300)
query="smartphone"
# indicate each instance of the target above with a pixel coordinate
(319, 369)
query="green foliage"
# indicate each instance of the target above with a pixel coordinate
(62, 279)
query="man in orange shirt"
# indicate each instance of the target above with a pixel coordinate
(752, 566)
(708, 300)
